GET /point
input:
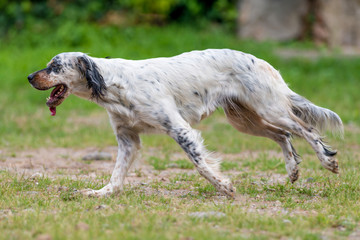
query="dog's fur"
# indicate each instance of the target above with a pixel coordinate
(168, 95)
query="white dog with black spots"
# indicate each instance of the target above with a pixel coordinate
(169, 95)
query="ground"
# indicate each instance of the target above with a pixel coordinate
(167, 186)
(58, 163)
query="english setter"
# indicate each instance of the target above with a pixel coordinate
(168, 95)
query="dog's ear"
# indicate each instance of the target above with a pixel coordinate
(95, 80)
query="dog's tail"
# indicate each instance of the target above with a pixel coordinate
(318, 117)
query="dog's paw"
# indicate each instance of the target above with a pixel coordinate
(228, 189)
(104, 192)
(88, 192)
(331, 164)
(294, 176)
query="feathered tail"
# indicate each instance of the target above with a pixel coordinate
(318, 117)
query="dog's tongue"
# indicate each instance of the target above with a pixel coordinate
(52, 110)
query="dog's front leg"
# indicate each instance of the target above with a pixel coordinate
(128, 146)
(191, 142)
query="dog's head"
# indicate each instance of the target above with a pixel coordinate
(69, 73)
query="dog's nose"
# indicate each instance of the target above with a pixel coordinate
(31, 77)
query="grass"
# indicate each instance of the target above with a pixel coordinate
(320, 205)
(265, 163)
(158, 163)
(164, 163)
(325, 207)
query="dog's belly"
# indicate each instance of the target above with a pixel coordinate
(145, 128)
(193, 115)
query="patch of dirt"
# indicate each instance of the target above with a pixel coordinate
(54, 161)
(60, 162)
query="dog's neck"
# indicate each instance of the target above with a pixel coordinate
(114, 98)
(112, 70)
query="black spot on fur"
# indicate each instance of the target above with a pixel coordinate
(295, 154)
(327, 150)
(329, 153)
(205, 98)
(249, 86)
(196, 93)
(296, 111)
(166, 123)
(187, 145)
(288, 134)
(69, 65)
(55, 67)
(252, 60)
(248, 67)
(95, 80)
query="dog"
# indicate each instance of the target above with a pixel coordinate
(169, 95)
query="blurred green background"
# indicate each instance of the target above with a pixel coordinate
(32, 32)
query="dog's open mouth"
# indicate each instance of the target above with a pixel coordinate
(56, 98)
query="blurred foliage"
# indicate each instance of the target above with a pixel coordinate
(17, 15)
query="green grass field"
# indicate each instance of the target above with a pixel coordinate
(164, 195)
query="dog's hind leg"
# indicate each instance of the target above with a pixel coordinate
(247, 121)
(324, 153)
